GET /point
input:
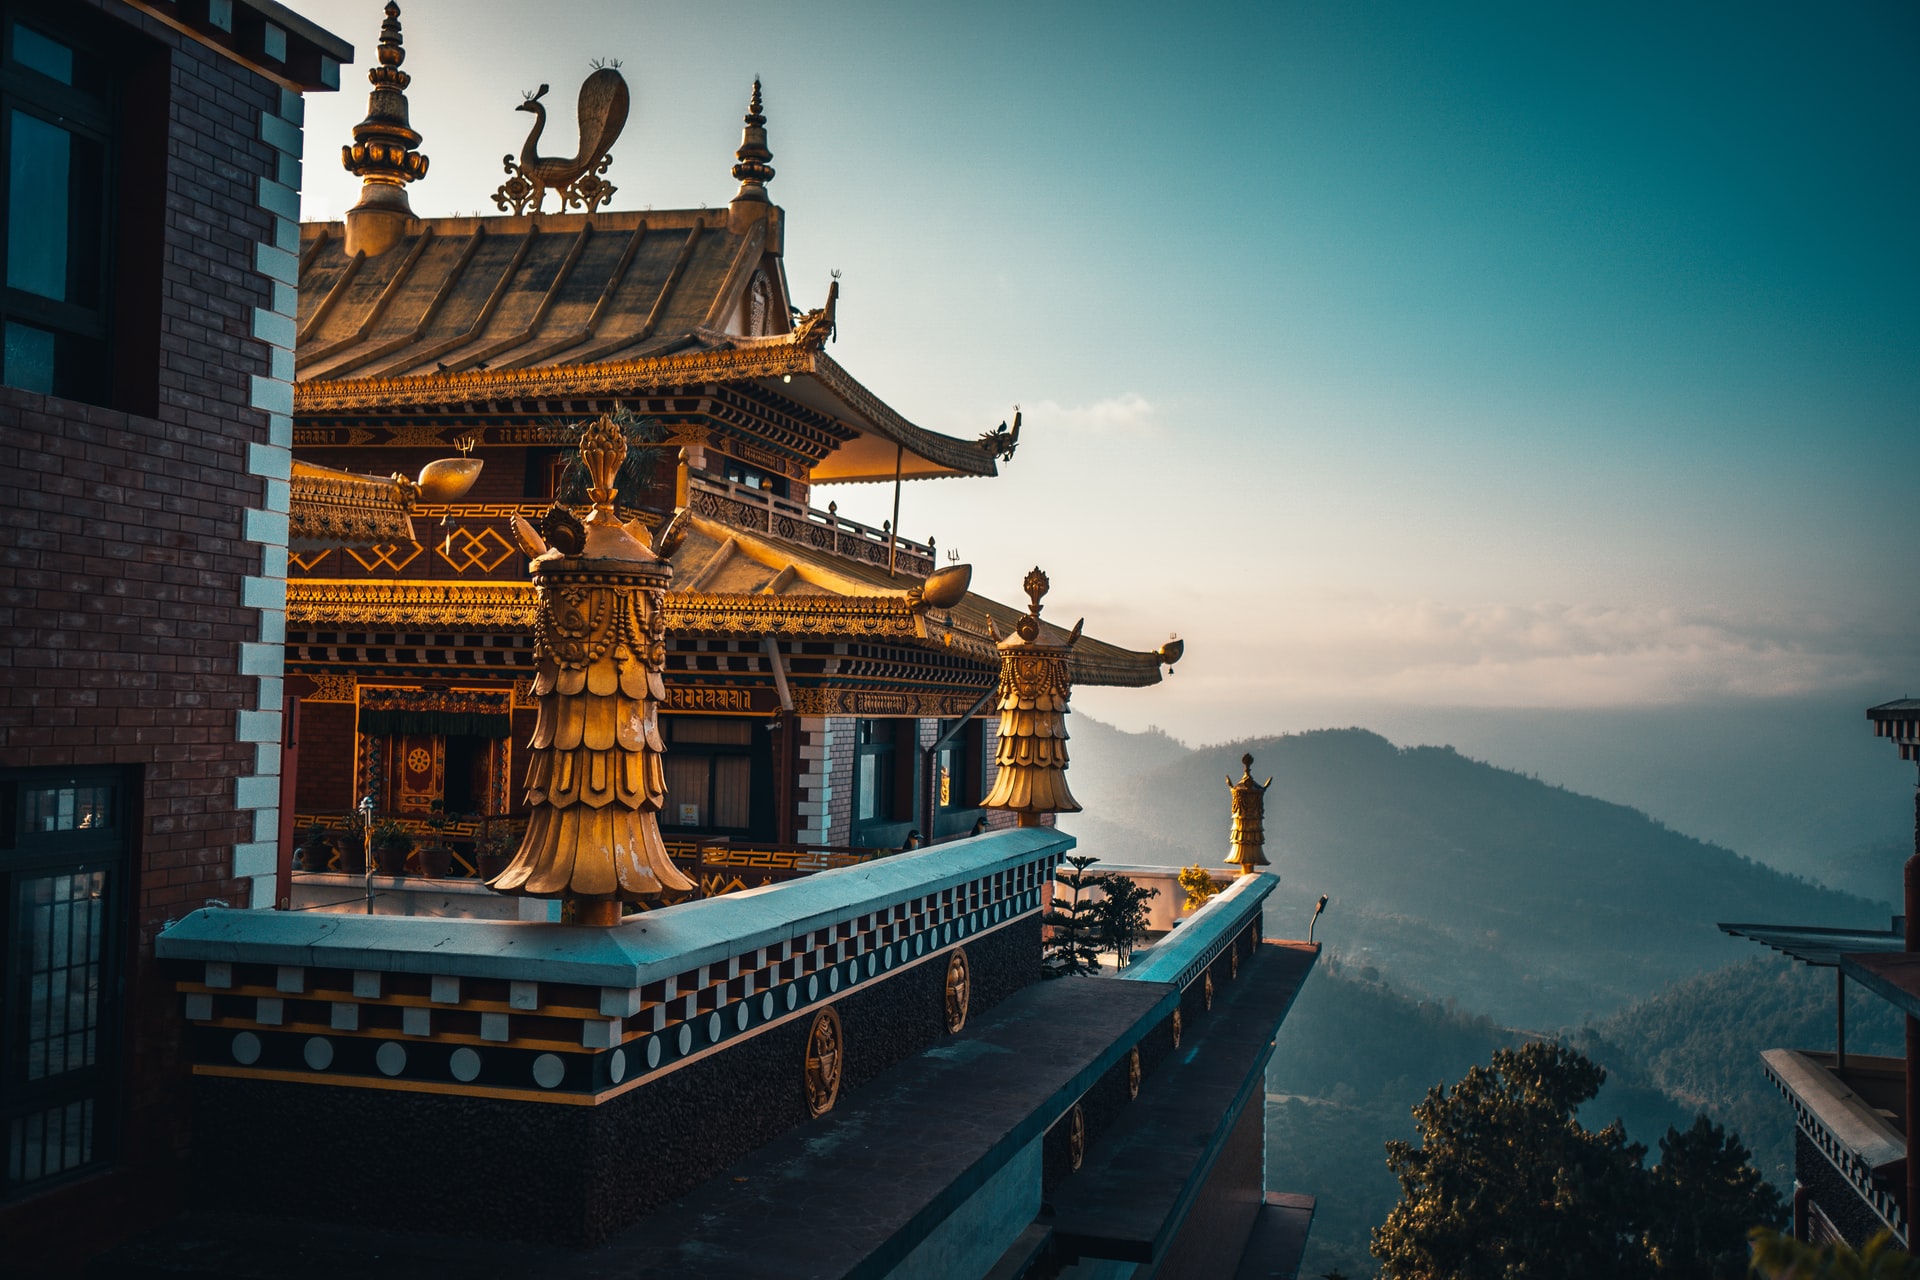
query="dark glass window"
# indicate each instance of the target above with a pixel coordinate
(56, 129)
(63, 867)
(873, 771)
(749, 476)
(719, 776)
(954, 783)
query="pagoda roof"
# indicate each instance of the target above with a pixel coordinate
(732, 582)
(480, 310)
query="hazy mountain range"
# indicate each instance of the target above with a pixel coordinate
(1470, 900)
(1519, 899)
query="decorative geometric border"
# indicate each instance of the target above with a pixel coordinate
(561, 1043)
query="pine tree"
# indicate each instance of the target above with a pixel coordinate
(1072, 923)
(1507, 1184)
(1121, 915)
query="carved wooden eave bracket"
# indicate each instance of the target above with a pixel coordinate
(329, 508)
(787, 358)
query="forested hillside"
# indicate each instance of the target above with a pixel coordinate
(1355, 1055)
(1535, 905)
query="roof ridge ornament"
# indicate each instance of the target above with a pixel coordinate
(384, 152)
(577, 179)
(751, 166)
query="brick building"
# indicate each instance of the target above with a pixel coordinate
(153, 155)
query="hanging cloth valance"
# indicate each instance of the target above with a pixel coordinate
(478, 713)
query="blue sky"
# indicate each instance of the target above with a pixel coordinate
(1485, 355)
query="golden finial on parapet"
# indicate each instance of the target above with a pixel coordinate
(597, 778)
(383, 153)
(1249, 838)
(1036, 680)
(603, 447)
(751, 166)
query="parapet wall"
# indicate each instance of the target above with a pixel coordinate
(557, 1052)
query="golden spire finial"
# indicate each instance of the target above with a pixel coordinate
(1036, 587)
(1036, 680)
(596, 780)
(752, 168)
(603, 447)
(1249, 838)
(383, 152)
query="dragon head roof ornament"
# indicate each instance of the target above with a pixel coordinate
(1248, 851)
(1036, 680)
(597, 778)
(578, 179)
(383, 153)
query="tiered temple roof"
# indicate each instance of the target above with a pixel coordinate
(468, 319)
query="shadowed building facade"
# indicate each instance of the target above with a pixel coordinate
(153, 161)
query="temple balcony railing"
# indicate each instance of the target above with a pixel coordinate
(759, 511)
(718, 865)
(473, 541)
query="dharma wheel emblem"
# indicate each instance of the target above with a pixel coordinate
(1133, 1074)
(1076, 1137)
(959, 990)
(823, 1062)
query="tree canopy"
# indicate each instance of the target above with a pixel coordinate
(1507, 1184)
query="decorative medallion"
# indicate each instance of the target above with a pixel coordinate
(959, 990)
(1076, 1137)
(823, 1062)
(1207, 988)
(1133, 1074)
(1176, 1028)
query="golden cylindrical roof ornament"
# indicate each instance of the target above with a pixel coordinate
(1036, 679)
(385, 151)
(597, 780)
(1247, 849)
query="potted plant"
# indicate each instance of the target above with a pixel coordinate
(352, 846)
(496, 848)
(316, 849)
(436, 858)
(391, 845)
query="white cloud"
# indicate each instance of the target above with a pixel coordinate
(1128, 412)
(1413, 652)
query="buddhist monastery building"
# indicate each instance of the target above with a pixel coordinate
(812, 661)
(476, 807)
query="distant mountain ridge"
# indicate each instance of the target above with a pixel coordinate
(1536, 905)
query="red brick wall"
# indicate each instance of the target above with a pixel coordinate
(325, 779)
(121, 560)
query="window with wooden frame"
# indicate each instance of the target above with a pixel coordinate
(64, 881)
(57, 133)
(719, 777)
